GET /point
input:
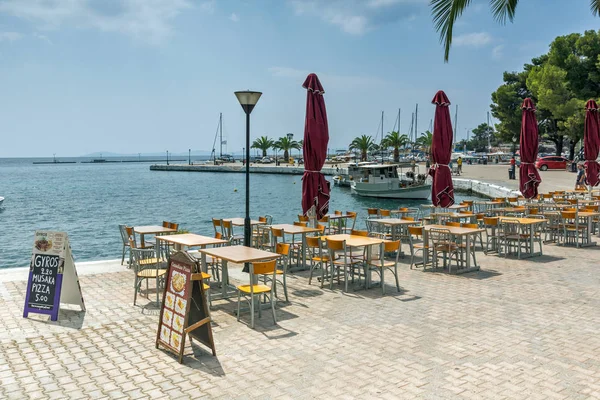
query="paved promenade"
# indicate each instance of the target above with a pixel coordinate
(514, 330)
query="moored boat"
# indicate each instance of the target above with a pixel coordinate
(1, 200)
(345, 178)
(392, 181)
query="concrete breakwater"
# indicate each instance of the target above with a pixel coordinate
(483, 188)
(239, 168)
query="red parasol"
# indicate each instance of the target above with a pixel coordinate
(529, 177)
(442, 190)
(315, 189)
(591, 143)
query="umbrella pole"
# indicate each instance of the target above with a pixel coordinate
(312, 216)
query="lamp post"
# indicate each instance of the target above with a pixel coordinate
(167, 157)
(189, 156)
(514, 146)
(248, 100)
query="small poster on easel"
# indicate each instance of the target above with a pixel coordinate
(52, 276)
(184, 308)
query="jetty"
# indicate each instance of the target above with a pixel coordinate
(241, 168)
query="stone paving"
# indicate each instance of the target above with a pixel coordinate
(514, 330)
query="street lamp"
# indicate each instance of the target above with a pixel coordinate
(514, 147)
(167, 157)
(189, 156)
(248, 100)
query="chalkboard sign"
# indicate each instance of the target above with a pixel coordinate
(52, 275)
(184, 308)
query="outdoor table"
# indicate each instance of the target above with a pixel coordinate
(508, 210)
(297, 230)
(394, 224)
(529, 224)
(359, 241)
(455, 216)
(467, 233)
(234, 254)
(341, 218)
(151, 230)
(589, 217)
(190, 240)
(240, 221)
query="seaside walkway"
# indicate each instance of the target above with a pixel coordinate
(517, 329)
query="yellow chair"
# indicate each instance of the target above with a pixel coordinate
(340, 259)
(416, 244)
(314, 248)
(302, 218)
(453, 224)
(282, 267)
(383, 263)
(146, 266)
(253, 291)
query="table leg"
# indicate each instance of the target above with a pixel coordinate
(203, 263)
(367, 269)
(425, 249)
(225, 279)
(531, 234)
(304, 250)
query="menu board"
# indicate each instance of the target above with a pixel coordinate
(51, 272)
(182, 288)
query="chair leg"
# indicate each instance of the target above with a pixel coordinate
(273, 299)
(382, 280)
(135, 290)
(238, 308)
(345, 278)
(252, 311)
(285, 291)
(123, 256)
(157, 297)
(396, 276)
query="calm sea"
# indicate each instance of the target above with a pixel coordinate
(89, 201)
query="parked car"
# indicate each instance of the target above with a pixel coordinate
(265, 160)
(227, 158)
(551, 162)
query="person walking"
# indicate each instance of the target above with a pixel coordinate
(513, 166)
(459, 164)
(580, 184)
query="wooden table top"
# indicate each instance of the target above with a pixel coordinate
(338, 216)
(355, 240)
(394, 221)
(152, 229)
(240, 221)
(452, 207)
(585, 214)
(191, 240)
(239, 254)
(295, 230)
(508, 209)
(523, 221)
(455, 230)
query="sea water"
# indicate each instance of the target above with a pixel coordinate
(89, 200)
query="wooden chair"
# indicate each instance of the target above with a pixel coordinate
(325, 221)
(453, 224)
(217, 225)
(479, 235)
(574, 230)
(228, 233)
(253, 291)
(383, 263)
(339, 259)
(351, 217)
(282, 267)
(303, 218)
(385, 213)
(416, 244)
(493, 234)
(513, 236)
(372, 213)
(441, 242)
(146, 266)
(314, 247)
(125, 239)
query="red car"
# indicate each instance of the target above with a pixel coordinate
(551, 162)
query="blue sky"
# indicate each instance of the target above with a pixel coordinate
(129, 76)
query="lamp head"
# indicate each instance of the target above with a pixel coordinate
(248, 99)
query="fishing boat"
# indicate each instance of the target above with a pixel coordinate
(391, 181)
(345, 178)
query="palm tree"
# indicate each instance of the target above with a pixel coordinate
(263, 143)
(425, 140)
(286, 145)
(446, 12)
(364, 144)
(395, 140)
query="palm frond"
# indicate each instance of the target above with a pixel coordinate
(445, 13)
(595, 6)
(503, 9)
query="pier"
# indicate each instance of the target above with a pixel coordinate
(241, 168)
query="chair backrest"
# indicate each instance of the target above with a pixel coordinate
(173, 225)
(385, 213)
(415, 230)
(439, 236)
(226, 224)
(264, 267)
(490, 221)
(313, 241)
(324, 219)
(471, 226)
(357, 232)
(463, 212)
(124, 235)
(218, 235)
(372, 212)
(391, 246)
(131, 236)
(568, 215)
(336, 245)
(408, 218)
(262, 219)
(277, 233)
(337, 212)
(302, 218)
(165, 224)
(572, 201)
(300, 223)
(454, 224)
(511, 227)
(533, 211)
(283, 249)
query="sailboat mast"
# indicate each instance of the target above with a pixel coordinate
(416, 121)
(455, 126)
(399, 115)
(221, 134)
(381, 136)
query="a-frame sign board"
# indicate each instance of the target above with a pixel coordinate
(184, 307)
(52, 276)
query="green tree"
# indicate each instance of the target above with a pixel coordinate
(395, 140)
(263, 143)
(446, 12)
(479, 140)
(424, 141)
(364, 144)
(285, 144)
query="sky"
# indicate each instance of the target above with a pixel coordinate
(147, 76)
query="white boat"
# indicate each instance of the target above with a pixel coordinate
(345, 178)
(1, 200)
(391, 181)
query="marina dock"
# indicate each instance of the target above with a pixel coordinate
(240, 168)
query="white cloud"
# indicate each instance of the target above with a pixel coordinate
(234, 17)
(43, 38)
(10, 36)
(328, 80)
(472, 39)
(498, 52)
(144, 20)
(357, 17)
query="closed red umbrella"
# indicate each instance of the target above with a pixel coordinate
(529, 177)
(591, 143)
(442, 190)
(315, 189)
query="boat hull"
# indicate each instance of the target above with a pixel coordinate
(384, 191)
(341, 181)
